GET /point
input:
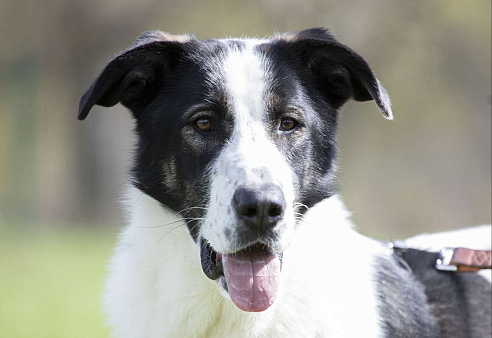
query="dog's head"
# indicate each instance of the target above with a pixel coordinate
(238, 136)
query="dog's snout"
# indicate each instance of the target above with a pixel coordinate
(259, 208)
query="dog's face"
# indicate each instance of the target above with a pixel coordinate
(238, 136)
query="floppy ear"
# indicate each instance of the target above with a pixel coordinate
(133, 77)
(340, 72)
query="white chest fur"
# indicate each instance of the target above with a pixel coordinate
(156, 287)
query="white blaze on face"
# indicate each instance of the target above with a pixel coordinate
(250, 158)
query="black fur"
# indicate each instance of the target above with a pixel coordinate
(459, 303)
(403, 304)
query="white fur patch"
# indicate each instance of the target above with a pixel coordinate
(250, 158)
(156, 286)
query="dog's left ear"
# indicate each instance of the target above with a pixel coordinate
(340, 73)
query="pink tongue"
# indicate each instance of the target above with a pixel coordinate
(252, 278)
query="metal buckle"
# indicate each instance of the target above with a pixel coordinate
(444, 262)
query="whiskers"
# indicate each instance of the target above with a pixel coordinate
(298, 205)
(299, 216)
(181, 221)
(197, 220)
(187, 219)
(188, 210)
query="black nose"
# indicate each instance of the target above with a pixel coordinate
(259, 208)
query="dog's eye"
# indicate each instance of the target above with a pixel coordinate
(287, 124)
(204, 124)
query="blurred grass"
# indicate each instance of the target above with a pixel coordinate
(51, 281)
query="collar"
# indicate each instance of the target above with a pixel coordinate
(448, 259)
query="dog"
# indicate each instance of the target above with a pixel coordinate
(235, 225)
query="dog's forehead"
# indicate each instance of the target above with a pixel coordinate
(221, 58)
(246, 78)
(242, 69)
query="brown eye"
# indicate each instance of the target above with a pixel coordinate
(204, 124)
(287, 124)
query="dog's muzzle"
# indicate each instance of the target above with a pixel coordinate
(251, 272)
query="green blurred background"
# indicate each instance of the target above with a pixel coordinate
(60, 179)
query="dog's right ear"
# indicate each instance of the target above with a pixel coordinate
(133, 77)
(339, 72)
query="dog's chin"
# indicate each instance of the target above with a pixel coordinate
(249, 277)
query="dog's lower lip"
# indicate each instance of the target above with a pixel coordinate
(211, 261)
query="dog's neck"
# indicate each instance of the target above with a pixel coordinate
(169, 277)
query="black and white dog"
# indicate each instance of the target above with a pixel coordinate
(236, 229)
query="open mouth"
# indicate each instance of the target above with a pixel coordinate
(251, 276)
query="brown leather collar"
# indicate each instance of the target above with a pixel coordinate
(464, 259)
(450, 259)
